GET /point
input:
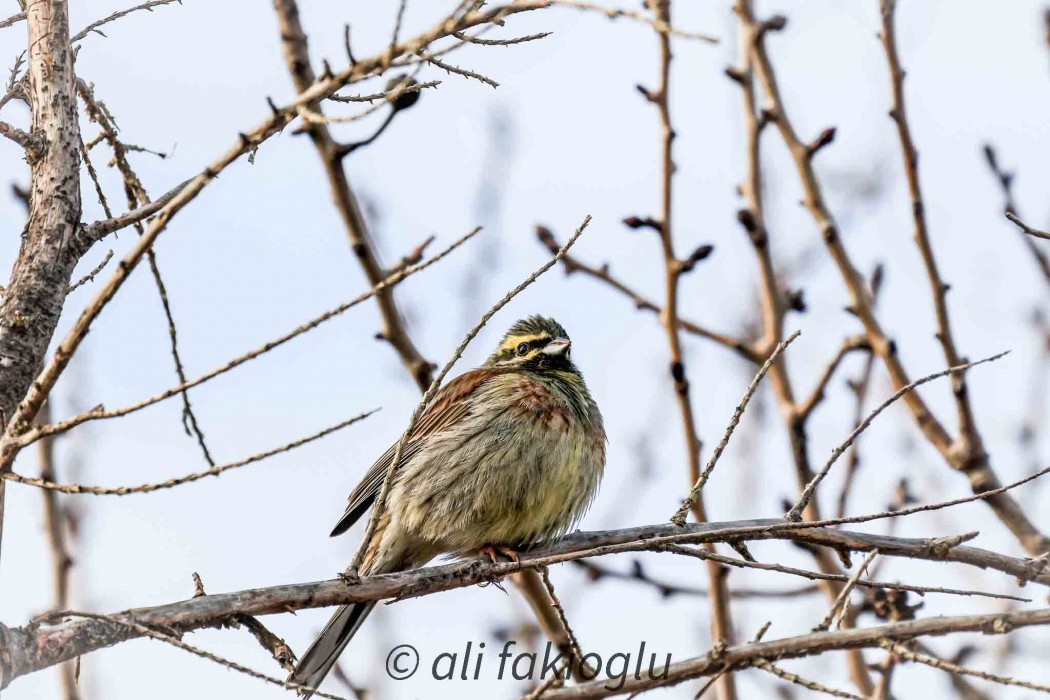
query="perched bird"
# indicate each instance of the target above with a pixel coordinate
(506, 456)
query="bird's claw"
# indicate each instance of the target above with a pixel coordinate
(493, 551)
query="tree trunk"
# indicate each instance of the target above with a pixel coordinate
(32, 302)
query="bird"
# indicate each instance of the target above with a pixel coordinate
(505, 456)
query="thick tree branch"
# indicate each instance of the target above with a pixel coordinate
(747, 655)
(27, 649)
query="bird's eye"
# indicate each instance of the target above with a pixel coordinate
(523, 348)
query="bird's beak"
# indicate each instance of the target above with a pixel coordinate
(557, 347)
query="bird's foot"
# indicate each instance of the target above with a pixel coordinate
(493, 550)
(349, 577)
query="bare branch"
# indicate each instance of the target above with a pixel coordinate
(92, 233)
(1026, 228)
(189, 478)
(805, 683)
(679, 517)
(808, 645)
(721, 618)
(39, 646)
(1005, 179)
(93, 27)
(500, 42)
(902, 652)
(248, 142)
(596, 572)
(15, 134)
(659, 25)
(796, 510)
(99, 413)
(960, 453)
(849, 345)
(90, 277)
(573, 264)
(970, 439)
(13, 19)
(144, 631)
(841, 601)
(297, 58)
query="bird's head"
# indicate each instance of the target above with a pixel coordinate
(535, 343)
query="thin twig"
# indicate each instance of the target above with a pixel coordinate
(596, 572)
(796, 679)
(721, 618)
(840, 602)
(297, 59)
(38, 432)
(93, 27)
(573, 264)
(938, 287)
(98, 230)
(959, 453)
(90, 277)
(657, 24)
(819, 576)
(189, 478)
(1005, 180)
(278, 648)
(138, 197)
(795, 513)
(1026, 228)
(859, 387)
(500, 42)
(57, 522)
(386, 95)
(849, 345)
(233, 665)
(466, 73)
(679, 517)
(902, 652)
(22, 138)
(574, 643)
(774, 307)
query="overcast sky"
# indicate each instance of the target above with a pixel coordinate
(565, 135)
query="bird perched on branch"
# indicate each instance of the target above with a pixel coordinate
(505, 456)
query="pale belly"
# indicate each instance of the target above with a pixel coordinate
(506, 486)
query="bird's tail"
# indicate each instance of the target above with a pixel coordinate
(322, 654)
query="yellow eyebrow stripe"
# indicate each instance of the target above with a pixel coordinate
(514, 341)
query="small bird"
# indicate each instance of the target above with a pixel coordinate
(505, 456)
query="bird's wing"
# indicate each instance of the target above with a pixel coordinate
(450, 405)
